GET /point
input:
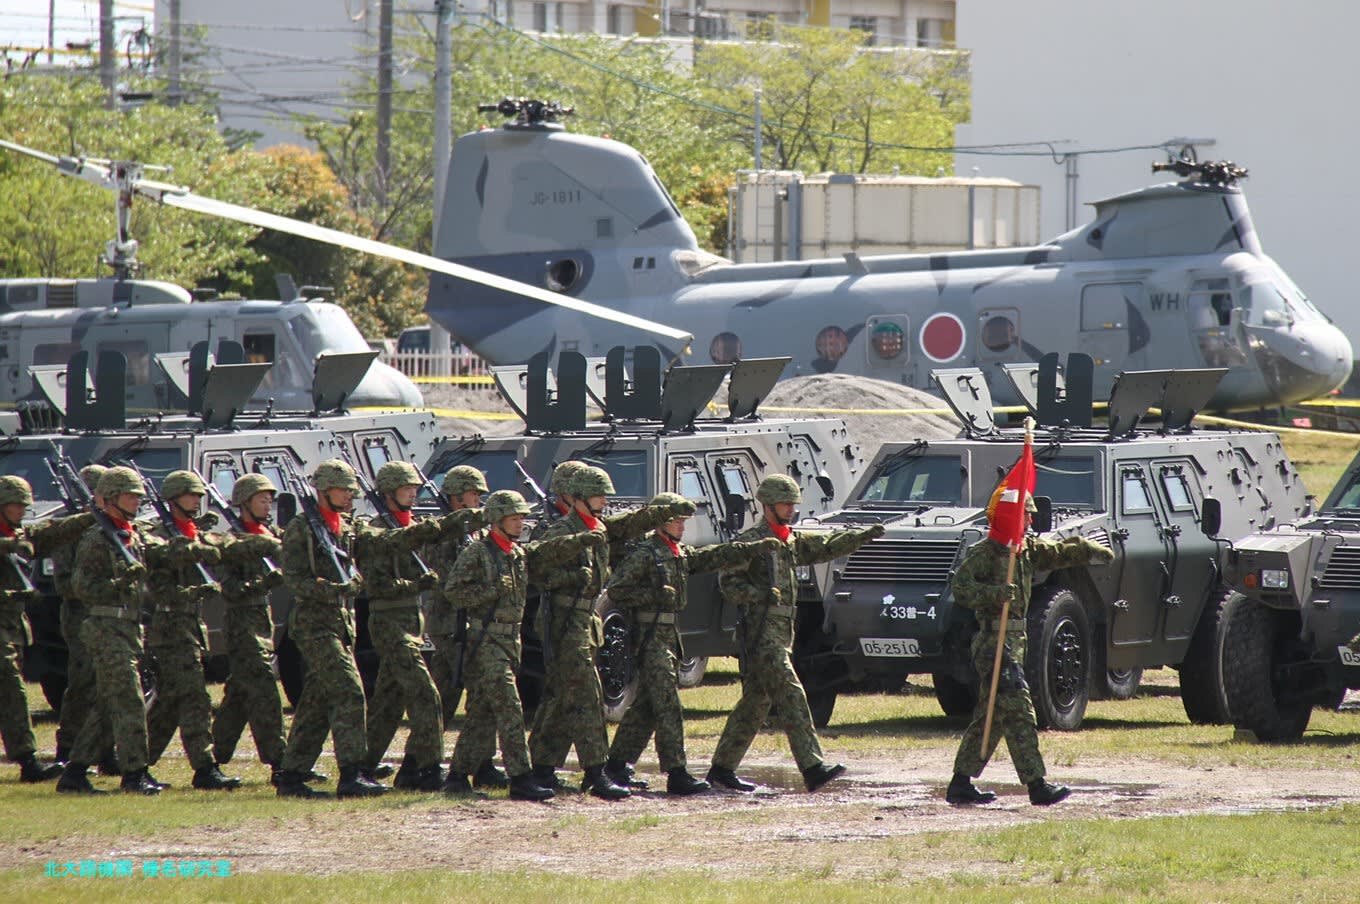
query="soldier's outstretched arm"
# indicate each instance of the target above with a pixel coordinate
(1070, 552)
(809, 549)
(543, 556)
(723, 556)
(58, 532)
(245, 550)
(634, 524)
(463, 521)
(372, 541)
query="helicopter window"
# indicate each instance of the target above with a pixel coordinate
(1265, 305)
(1066, 479)
(55, 352)
(1105, 306)
(998, 333)
(259, 346)
(138, 361)
(725, 348)
(562, 275)
(832, 343)
(1134, 491)
(930, 478)
(1177, 490)
(887, 338)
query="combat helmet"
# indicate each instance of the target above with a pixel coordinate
(116, 481)
(668, 498)
(177, 483)
(334, 474)
(778, 488)
(588, 482)
(562, 475)
(247, 485)
(90, 474)
(394, 475)
(503, 504)
(463, 479)
(15, 489)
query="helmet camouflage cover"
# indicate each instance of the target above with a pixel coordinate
(119, 480)
(247, 485)
(562, 475)
(589, 482)
(778, 488)
(394, 475)
(15, 489)
(668, 498)
(90, 474)
(503, 504)
(463, 479)
(177, 483)
(334, 474)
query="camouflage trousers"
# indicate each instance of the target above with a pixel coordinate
(657, 705)
(79, 699)
(15, 725)
(1013, 716)
(769, 685)
(252, 694)
(332, 701)
(115, 648)
(493, 708)
(444, 669)
(182, 700)
(572, 711)
(404, 685)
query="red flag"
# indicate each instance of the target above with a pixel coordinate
(1007, 522)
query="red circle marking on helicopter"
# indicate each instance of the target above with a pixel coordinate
(942, 337)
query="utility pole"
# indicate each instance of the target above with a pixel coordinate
(108, 75)
(443, 127)
(51, 28)
(384, 98)
(174, 92)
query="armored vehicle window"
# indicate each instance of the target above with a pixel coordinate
(932, 478)
(375, 451)
(734, 480)
(157, 463)
(498, 466)
(1177, 490)
(1134, 492)
(1349, 498)
(222, 474)
(627, 470)
(690, 484)
(1066, 479)
(29, 464)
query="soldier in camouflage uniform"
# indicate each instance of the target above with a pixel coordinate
(650, 584)
(573, 709)
(766, 593)
(322, 625)
(112, 585)
(177, 637)
(252, 693)
(489, 580)
(980, 584)
(79, 699)
(395, 580)
(17, 546)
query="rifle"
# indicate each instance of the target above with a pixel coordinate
(234, 520)
(168, 519)
(78, 498)
(440, 500)
(325, 540)
(379, 504)
(549, 510)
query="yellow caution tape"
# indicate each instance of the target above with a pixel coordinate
(457, 381)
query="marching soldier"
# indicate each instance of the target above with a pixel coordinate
(17, 546)
(395, 578)
(489, 579)
(980, 585)
(766, 591)
(252, 692)
(650, 583)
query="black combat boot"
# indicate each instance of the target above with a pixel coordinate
(726, 778)
(546, 776)
(291, 784)
(63, 754)
(456, 784)
(524, 787)
(406, 775)
(816, 776)
(621, 774)
(381, 770)
(210, 778)
(961, 791)
(426, 778)
(488, 776)
(139, 781)
(597, 783)
(153, 780)
(108, 764)
(75, 780)
(311, 775)
(355, 783)
(32, 771)
(680, 782)
(1042, 793)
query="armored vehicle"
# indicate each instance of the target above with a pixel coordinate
(1286, 645)
(655, 440)
(887, 611)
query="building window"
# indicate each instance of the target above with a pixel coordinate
(868, 25)
(760, 26)
(547, 17)
(615, 18)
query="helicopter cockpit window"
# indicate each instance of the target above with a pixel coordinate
(1265, 306)
(936, 479)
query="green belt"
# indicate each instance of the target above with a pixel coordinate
(122, 612)
(404, 602)
(585, 605)
(1013, 625)
(504, 629)
(656, 618)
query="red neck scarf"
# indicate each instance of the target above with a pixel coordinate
(252, 526)
(331, 517)
(672, 545)
(562, 506)
(123, 526)
(781, 531)
(5, 529)
(502, 541)
(589, 520)
(186, 526)
(401, 516)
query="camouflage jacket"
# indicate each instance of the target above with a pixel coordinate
(177, 583)
(485, 580)
(770, 580)
(62, 553)
(102, 577)
(582, 576)
(391, 573)
(980, 581)
(46, 538)
(466, 527)
(246, 580)
(653, 579)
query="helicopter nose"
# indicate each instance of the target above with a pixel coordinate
(386, 387)
(1308, 360)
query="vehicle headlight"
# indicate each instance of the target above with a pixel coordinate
(1274, 579)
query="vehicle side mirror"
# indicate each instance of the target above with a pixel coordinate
(1043, 515)
(1210, 516)
(287, 505)
(735, 506)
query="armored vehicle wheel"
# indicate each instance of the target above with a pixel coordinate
(691, 672)
(1258, 646)
(1122, 684)
(1202, 691)
(54, 688)
(1058, 659)
(614, 661)
(956, 698)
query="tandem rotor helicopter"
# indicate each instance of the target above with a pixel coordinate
(550, 241)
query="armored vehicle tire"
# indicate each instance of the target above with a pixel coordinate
(691, 671)
(1058, 658)
(1258, 643)
(956, 698)
(1201, 672)
(1122, 684)
(614, 661)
